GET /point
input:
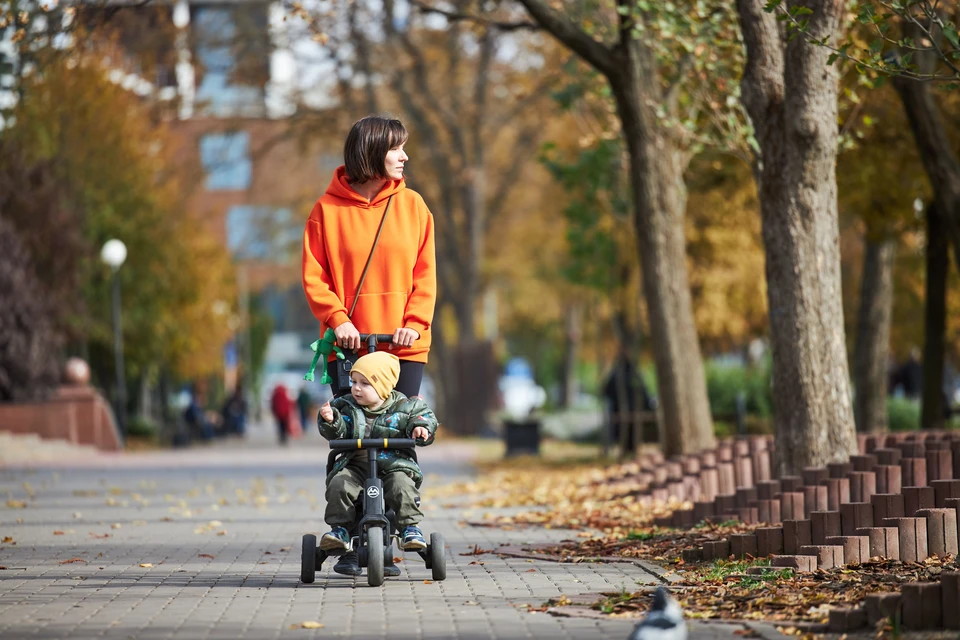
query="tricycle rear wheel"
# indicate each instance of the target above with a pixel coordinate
(308, 559)
(438, 562)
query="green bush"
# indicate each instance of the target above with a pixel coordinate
(724, 382)
(903, 414)
(140, 427)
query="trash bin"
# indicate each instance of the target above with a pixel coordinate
(521, 437)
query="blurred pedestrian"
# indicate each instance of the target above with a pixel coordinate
(303, 404)
(235, 412)
(281, 409)
(369, 263)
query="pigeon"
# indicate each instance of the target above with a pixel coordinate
(664, 622)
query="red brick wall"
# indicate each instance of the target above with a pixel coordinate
(78, 414)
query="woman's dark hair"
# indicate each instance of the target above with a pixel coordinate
(365, 151)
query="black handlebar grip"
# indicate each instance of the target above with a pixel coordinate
(380, 337)
(373, 443)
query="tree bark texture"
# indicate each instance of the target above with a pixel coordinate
(872, 345)
(790, 94)
(656, 172)
(934, 319)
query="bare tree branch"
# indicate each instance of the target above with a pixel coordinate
(595, 53)
(455, 16)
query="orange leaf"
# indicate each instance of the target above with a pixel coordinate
(205, 555)
(72, 560)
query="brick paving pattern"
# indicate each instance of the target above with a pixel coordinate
(221, 527)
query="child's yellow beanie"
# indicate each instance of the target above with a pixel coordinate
(381, 369)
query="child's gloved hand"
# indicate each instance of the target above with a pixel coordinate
(327, 413)
(420, 433)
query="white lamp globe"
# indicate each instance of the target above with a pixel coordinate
(114, 252)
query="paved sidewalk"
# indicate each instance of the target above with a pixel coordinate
(205, 544)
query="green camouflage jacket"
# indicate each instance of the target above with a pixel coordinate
(397, 418)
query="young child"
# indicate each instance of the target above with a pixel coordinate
(374, 409)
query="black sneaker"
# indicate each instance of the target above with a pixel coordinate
(348, 565)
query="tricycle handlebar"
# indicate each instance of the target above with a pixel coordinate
(373, 443)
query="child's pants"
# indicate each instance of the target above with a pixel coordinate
(399, 493)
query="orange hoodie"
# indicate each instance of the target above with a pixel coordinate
(401, 285)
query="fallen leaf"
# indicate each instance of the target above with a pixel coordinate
(477, 562)
(204, 555)
(530, 571)
(58, 533)
(222, 533)
(397, 559)
(99, 535)
(284, 548)
(116, 525)
(8, 540)
(309, 624)
(2, 568)
(146, 565)
(471, 603)
(72, 560)
(428, 582)
(16, 504)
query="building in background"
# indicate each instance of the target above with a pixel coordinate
(224, 76)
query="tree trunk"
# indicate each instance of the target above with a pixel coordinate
(934, 319)
(939, 159)
(790, 93)
(571, 353)
(656, 173)
(872, 347)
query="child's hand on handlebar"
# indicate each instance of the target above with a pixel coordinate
(347, 336)
(327, 413)
(404, 337)
(420, 433)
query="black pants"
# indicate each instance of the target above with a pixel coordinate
(411, 375)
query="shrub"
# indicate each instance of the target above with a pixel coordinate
(903, 414)
(725, 382)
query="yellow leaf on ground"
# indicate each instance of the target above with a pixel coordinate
(16, 504)
(146, 565)
(309, 624)
(222, 533)
(116, 525)
(7, 540)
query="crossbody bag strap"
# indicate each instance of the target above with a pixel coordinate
(363, 276)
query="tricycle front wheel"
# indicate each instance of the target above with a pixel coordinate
(375, 556)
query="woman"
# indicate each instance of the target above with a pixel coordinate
(400, 289)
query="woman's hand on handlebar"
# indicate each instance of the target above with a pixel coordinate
(420, 433)
(404, 337)
(347, 336)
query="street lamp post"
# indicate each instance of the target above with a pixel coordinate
(114, 253)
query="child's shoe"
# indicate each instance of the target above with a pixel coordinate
(412, 539)
(337, 538)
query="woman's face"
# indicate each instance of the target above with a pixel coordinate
(396, 158)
